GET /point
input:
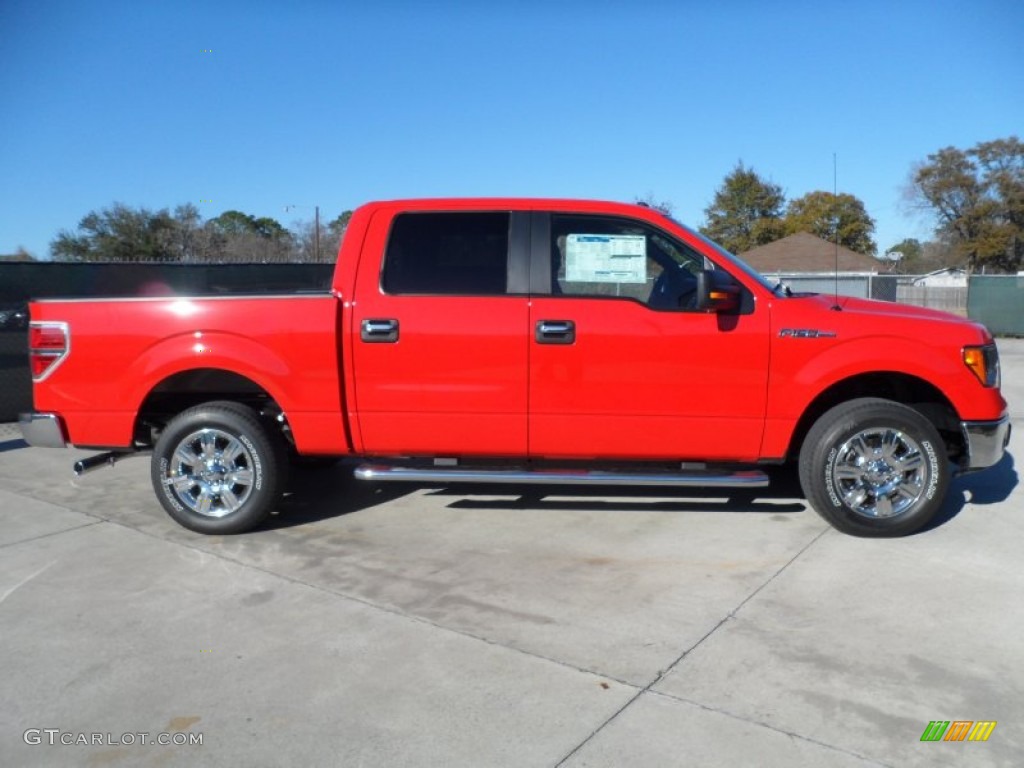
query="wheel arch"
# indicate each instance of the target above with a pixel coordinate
(194, 386)
(909, 390)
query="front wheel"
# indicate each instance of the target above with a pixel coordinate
(216, 469)
(874, 467)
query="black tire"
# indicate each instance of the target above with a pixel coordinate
(874, 467)
(238, 474)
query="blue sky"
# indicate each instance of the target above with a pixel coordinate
(339, 103)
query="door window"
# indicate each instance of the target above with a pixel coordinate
(462, 254)
(605, 256)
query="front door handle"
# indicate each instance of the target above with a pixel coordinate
(556, 332)
(379, 331)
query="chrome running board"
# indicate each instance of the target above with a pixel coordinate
(680, 479)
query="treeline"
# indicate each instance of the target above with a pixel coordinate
(122, 233)
(974, 196)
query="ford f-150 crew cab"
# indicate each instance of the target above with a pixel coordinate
(525, 341)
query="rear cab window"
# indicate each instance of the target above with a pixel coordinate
(449, 254)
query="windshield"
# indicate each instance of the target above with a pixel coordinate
(733, 258)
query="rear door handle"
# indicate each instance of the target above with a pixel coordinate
(379, 331)
(556, 332)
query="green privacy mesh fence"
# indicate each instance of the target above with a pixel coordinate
(998, 302)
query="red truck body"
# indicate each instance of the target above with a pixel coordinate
(608, 378)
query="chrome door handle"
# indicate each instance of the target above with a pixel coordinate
(379, 331)
(556, 332)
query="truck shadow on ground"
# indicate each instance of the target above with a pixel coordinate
(12, 445)
(782, 495)
(330, 491)
(325, 492)
(990, 486)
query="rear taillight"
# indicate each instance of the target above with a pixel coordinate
(48, 345)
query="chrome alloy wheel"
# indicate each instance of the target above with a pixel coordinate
(880, 472)
(211, 473)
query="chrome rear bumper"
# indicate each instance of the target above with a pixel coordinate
(985, 442)
(42, 430)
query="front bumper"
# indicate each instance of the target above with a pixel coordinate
(985, 443)
(42, 430)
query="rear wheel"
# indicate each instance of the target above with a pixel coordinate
(874, 467)
(216, 469)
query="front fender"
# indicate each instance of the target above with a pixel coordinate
(793, 387)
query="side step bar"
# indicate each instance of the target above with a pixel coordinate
(682, 479)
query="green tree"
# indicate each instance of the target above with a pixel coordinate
(977, 199)
(239, 237)
(340, 224)
(825, 214)
(330, 240)
(746, 211)
(118, 233)
(238, 223)
(903, 256)
(663, 206)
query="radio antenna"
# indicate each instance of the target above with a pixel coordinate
(835, 221)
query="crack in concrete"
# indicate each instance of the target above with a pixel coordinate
(783, 731)
(51, 533)
(664, 672)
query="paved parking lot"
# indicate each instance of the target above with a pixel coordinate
(387, 626)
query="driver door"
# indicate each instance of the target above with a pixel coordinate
(621, 364)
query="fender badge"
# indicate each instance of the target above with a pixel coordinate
(805, 333)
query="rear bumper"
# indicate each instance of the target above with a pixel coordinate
(985, 442)
(43, 430)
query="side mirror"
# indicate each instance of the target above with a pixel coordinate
(716, 292)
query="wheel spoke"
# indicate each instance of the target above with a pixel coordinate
(205, 502)
(909, 462)
(230, 501)
(848, 472)
(208, 443)
(855, 497)
(181, 483)
(891, 441)
(241, 477)
(908, 491)
(883, 507)
(858, 446)
(185, 455)
(231, 453)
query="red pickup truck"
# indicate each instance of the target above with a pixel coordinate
(525, 341)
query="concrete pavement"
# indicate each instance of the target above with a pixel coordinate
(511, 627)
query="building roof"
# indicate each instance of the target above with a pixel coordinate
(804, 252)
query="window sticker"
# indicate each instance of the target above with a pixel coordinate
(606, 258)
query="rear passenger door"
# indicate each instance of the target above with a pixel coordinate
(440, 335)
